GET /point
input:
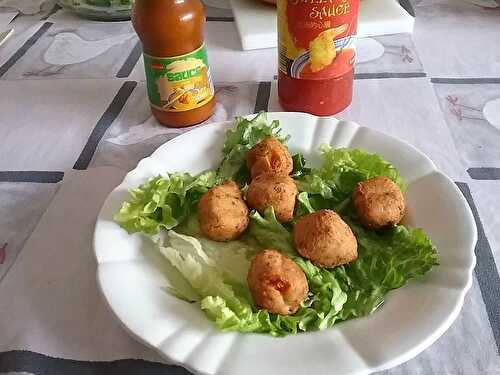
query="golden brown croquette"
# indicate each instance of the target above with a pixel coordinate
(269, 156)
(325, 239)
(277, 191)
(277, 283)
(222, 212)
(379, 202)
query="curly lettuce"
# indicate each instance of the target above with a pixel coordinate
(386, 260)
(344, 168)
(339, 173)
(229, 304)
(163, 202)
(217, 271)
(270, 233)
(245, 134)
(166, 202)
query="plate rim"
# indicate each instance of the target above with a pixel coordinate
(403, 357)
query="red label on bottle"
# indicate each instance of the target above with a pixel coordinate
(316, 37)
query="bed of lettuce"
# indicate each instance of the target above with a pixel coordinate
(217, 271)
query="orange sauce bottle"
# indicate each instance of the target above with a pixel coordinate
(316, 54)
(180, 88)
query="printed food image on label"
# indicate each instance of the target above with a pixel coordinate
(179, 83)
(316, 38)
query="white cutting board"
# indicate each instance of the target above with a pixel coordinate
(256, 21)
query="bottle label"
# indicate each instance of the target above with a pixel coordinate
(179, 83)
(316, 37)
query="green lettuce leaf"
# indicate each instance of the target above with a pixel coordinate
(217, 271)
(299, 166)
(326, 298)
(239, 139)
(232, 257)
(230, 306)
(344, 168)
(163, 202)
(341, 170)
(270, 233)
(187, 255)
(386, 260)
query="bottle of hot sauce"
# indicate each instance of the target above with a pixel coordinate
(180, 88)
(316, 54)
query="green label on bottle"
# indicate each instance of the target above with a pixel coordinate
(179, 83)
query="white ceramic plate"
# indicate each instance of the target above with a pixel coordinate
(133, 277)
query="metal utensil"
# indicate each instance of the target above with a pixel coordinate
(4, 35)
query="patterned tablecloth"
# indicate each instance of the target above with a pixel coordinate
(74, 119)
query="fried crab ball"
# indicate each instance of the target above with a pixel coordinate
(277, 283)
(267, 190)
(269, 156)
(325, 239)
(222, 212)
(379, 202)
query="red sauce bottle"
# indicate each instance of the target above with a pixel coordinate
(316, 54)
